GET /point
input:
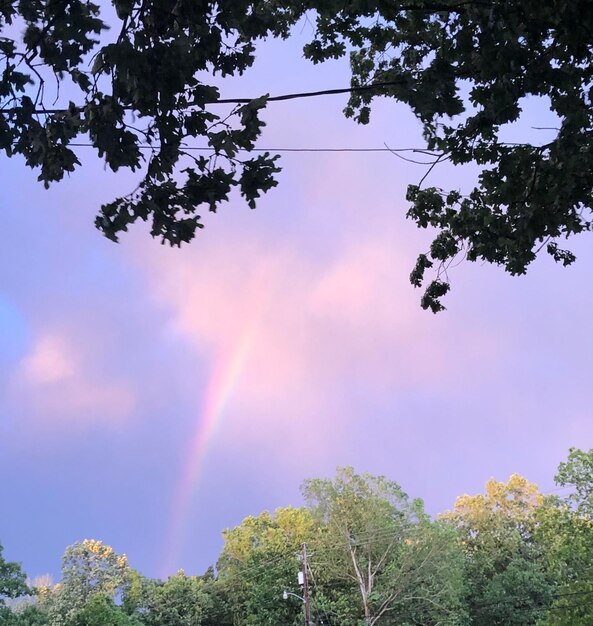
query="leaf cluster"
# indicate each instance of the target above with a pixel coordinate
(466, 68)
(138, 99)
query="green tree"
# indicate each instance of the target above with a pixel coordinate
(566, 530)
(180, 601)
(259, 562)
(12, 584)
(508, 581)
(12, 579)
(99, 610)
(397, 565)
(218, 611)
(94, 577)
(567, 538)
(25, 615)
(577, 472)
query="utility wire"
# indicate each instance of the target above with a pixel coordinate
(210, 149)
(398, 152)
(517, 600)
(566, 608)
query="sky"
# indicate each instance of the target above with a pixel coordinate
(151, 397)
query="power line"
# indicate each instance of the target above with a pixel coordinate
(210, 149)
(398, 152)
(515, 602)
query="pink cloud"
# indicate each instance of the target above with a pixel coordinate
(49, 362)
(325, 327)
(56, 381)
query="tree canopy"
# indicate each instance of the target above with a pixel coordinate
(577, 472)
(258, 564)
(399, 565)
(12, 583)
(94, 576)
(507, 575)
(510, 556)
(139, 91)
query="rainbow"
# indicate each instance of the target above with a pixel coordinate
(225, 374)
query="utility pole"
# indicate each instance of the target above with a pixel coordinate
(306, 587)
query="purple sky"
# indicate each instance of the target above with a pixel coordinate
(109, 353)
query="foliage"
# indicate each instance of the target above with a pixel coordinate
(12, 580)
(100, 610)
(577, 472)
(507, 577)
(25, 615)
(137, 97)
(400, 566)
(258, 563)
(180, 601)
(12, 584)
(219, 603)
(566, 531)
(467, 68)
(568, 545)
(92, 572)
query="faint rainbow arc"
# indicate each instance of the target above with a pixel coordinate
(224, 377)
